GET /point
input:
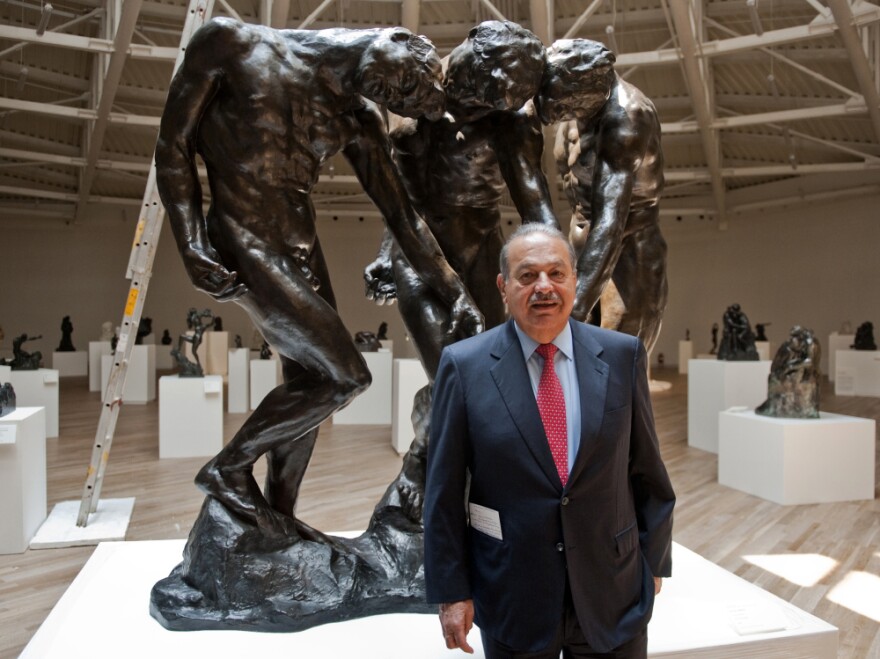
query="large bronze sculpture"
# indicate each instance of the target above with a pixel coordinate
(249, 562)
(793, 383)
(609, 156)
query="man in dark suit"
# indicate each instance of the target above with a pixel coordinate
(548, 527)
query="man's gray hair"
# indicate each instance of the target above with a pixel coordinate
(528, 229)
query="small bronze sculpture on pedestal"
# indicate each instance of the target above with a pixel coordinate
(793, 384)
(737, 338)
(66, 344)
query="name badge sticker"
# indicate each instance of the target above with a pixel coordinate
(485, 520)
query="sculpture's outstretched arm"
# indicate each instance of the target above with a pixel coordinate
(190, 93)
(370, 156)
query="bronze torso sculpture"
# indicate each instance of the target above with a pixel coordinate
(265, 108)
(609, 155)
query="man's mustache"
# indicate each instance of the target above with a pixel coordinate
(544, 297)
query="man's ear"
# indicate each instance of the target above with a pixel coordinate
(499, 281)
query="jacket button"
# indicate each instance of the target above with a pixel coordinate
(560, 546)
(564, 501)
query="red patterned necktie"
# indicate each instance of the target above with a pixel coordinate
(551, 405)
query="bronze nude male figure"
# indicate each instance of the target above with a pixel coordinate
(264, 109)
(455, 169)
(609, 156)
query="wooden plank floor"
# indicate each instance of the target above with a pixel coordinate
(353, 464)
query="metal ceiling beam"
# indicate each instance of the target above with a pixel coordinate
(685, 29)
(85, 44)
(314, 15)
(849, 35)
(583, 18)
(76, 113)
(112, 76)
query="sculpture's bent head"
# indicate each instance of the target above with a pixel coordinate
(498, 67)
(401, 71)
(577, 80)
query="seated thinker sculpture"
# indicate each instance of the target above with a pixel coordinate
(793, 383)
(611, 162)
(301, 96)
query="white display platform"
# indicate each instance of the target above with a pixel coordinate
(764, 348)
(38, 389)
(858, 373)
(190, 416)
(140, 379)
(4, 373)
(215, 352)
(265, 376)
(797, 461)
(685, 354)
(239, 370)
(696, 615)
(836, 342)
(373, 407)
(408, 376)
(71, 364)
(97, 349)
(108, 522)
(22, 477)
(714, 386)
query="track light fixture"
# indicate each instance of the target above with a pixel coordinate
(45, 15)
(22, 79)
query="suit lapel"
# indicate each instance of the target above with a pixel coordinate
(592, 375)
(512, 379)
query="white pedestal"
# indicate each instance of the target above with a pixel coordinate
(97, 349)
(685, 354)
(858, 373)
(763, 348)
(836, 342)
(714, 386)
(164, 360)
(71, 364)
(38, 389)
(22, 477)
(238, 361)
(372, 407)
(190, 416)
(4, 373)
(408, 377)
(797, 461)
(140, 379)
(215, 348)
(265, 376)
(696, 616)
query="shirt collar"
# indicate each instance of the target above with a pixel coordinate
(563, 341)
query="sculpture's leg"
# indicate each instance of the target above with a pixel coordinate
(306, 330)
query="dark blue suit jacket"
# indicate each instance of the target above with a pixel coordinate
(610, 528)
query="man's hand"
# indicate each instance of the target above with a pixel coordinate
(658, 584)
(465, 319)
(209, 275)
(457, 618)
(379, 280)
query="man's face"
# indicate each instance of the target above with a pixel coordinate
(558, 102)
(540, 288)
(394, 77)
(473, 91)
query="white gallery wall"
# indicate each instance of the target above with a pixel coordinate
(814, 265)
